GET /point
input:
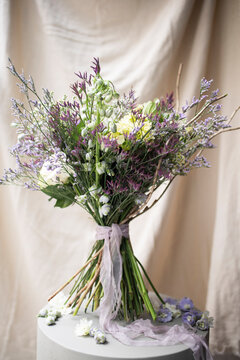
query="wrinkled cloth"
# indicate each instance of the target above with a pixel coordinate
(110, 277)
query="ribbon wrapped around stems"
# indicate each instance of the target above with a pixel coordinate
(110, 277)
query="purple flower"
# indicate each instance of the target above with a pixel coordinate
(164, 315)
(96, 66)
(189, 318)
(170, 301)
(185, 304)
(197, 313)
(205, 85)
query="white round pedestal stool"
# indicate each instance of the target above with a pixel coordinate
(58, 342)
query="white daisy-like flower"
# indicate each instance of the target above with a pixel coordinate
(83, 328)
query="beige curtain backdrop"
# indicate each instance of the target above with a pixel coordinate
(189, 242)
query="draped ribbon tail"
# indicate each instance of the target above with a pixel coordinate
(154, 335)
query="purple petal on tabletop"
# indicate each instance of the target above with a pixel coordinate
(189, 318)
(185, 304)
(170, 301)
(164, 315)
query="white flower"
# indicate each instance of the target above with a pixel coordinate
(84, 132)
(176, 313)
(104, 199)
(83, 328)
(56, 313)
(81, 199)
(101, 167)
(90, 144)
(88, 156)
(87, 167)
(43, 312)
(104, 210)
(50, 320)
(93, 190)
(54, 171)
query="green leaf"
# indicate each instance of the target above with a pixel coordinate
(149, 108)
(63, 203)
(64, 194)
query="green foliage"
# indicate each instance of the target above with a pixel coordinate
(63, 194)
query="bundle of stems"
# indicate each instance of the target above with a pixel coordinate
(87, 289)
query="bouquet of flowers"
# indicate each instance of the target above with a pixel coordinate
(108, 154)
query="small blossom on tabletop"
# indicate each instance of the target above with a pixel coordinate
(164, 315)
(189, 318)
(100, 337)
(43, 312)
(50, 320)
(185, 304)
(176, 313)
(93, 331)
(197, 313)
(171, 301)
(83, 328)
(205, 322)
(55, 313)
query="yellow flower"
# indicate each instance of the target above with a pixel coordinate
(127, 124)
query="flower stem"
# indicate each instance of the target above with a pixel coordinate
(139, 280)
(150, 282)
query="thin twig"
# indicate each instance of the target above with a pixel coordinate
(177, 87)
(82, 268)
(223, 131)
(203, 109)
(90, 284)
(156, 200)
(233, 114)
(77, 295)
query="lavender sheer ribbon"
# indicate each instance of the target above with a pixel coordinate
(110, 277)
